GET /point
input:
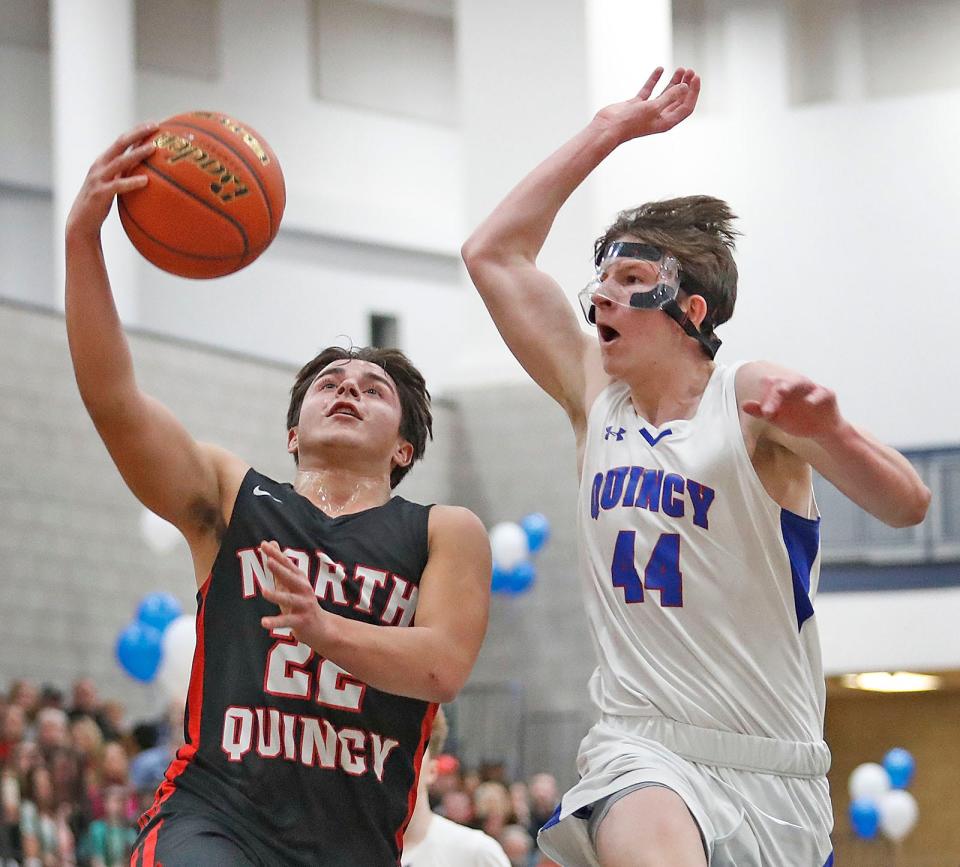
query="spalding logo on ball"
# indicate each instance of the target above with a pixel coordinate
(214, 200)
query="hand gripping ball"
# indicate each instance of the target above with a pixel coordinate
(214, 199)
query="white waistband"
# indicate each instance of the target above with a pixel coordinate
(729, 749)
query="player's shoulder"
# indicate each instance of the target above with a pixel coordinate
(449, 521)
(750, 377)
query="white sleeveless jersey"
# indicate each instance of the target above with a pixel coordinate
(699, 587)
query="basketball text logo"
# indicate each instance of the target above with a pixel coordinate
(227, 186)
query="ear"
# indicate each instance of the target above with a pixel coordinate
(292, 443)
(429, 769)
(403, 454)
(696, 309)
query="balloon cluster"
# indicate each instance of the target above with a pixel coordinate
(512, 546)
(878, 797)
(158, 645)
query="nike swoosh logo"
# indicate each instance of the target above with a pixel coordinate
(259, 492)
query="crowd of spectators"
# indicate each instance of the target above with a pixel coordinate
(75, 776)
(509, 811)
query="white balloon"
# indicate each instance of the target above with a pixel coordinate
(508, 544)
(869, 781)
(898, 814)
(179, 643)
(160, 535)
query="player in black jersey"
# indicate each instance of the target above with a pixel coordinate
(332, 617)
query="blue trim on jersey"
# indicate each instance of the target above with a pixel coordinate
(801, 536)
(553, 820)
(829, 861)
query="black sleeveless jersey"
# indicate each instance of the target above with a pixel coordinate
(284, 747)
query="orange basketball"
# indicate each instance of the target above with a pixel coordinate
(214, 199)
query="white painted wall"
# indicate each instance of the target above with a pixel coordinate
(897, 631)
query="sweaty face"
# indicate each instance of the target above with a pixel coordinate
(351, 403)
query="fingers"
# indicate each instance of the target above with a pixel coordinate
(651, 83)
(137, 134)
(676, 78)
(284, 570)
(129, 159)
(277, 621)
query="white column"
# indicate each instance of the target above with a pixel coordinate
(524, 83)
(92, 92)
(626, 41)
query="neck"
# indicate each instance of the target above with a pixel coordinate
(419, 821)
(341, 491)
(667, 390)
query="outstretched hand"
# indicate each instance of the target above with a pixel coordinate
(107, 179)
(796, 405)
(292, 592)
(642, 115)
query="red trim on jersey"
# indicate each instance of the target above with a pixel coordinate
(194, 709)
(150, 846)
(425, 728)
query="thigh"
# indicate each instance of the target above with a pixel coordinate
(186, 840)
(649, 827)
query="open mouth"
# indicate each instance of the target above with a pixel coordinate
(607, 334)
(347, 409)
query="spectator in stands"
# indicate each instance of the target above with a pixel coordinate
(148, 767)
(50, 696)
(52, 731)
(544, 797)
(25, 694)
(518, 846)
(114, 771)
(434, 841)
(110, 840)
(520, 800)
(457, 806)
(492, 808)
(40, 831)
(13, 730)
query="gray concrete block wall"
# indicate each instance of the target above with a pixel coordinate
(515, 454)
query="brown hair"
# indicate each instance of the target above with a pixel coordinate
(416, 420)
(697, 230)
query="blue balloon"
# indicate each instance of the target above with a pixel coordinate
(865, 818)
(138, 650)
(899, 764)
(521, 577)
(537, 528)
(499, 579)
(159, 610)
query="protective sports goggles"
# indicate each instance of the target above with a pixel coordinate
(644, 277)
(632, 275)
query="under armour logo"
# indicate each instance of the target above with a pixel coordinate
(614, 433)
(654, 440)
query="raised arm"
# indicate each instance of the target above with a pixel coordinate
(804, 418)
(430, 660)
(166, 469)
(530, 310)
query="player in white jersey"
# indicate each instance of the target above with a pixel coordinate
(434, 841)
(699, 535)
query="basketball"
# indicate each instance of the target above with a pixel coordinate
(214, 199)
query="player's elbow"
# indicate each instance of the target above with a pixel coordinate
(913, 509)
(444, 682)
(481, 253)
